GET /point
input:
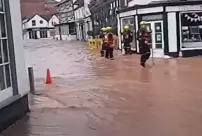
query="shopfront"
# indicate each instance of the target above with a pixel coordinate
(176, 27)
(191, 29)
(13, 80)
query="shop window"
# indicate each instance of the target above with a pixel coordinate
(191, 27)
(131, 22)
(5, 74)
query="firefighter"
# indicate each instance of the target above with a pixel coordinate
(144, 37)
(109, 38)
(127, 39)
(102, 36)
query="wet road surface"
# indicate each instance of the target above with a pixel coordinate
(92, 96)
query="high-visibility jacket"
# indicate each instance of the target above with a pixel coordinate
(109, 38)
(127, 36)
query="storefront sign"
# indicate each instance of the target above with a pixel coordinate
(191, 7)
(152, 17)
(184, 8)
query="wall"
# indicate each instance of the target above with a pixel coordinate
(172, 32)
(25, 35)
(66, 37)
(37, 18)
(22, 79)
(79, 13)
(64, 33)
(88, 26)
(133, 2)
(53, 19)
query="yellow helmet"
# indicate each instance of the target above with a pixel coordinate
(142, 23)
(126, 27)
(109, 28)
(104, 29)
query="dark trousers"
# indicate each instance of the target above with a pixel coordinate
(109, 52)
(102, 52)
(127, 48)
(145, 55)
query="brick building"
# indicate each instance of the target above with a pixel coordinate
(40, 7)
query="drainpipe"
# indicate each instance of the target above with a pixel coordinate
(60, 33)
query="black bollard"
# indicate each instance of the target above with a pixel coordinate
(31, 79)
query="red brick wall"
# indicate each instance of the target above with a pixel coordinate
(32, 7)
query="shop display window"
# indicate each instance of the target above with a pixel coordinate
(191, 27)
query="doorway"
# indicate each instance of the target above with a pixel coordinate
(131, 22)
(157, 38)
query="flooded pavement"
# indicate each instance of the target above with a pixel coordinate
(92, 96)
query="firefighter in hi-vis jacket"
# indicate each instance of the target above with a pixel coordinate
(144, 37)
(127, 39)
(102, 36)
(110, 42)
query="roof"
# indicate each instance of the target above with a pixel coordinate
(96, 4)
(62, 2)
(162, 3)
(32, 7)
(46, 17)
(79, 3)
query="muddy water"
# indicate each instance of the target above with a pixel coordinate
(91, 96)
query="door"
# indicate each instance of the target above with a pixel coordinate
(157, 38)
(131, 22)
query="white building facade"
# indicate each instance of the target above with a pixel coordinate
(39, 26)
(87, 19)
(13, 79)
(79, 18)
(176, 27)
(83, 19)
(66, 29)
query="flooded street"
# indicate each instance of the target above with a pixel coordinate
(92, 96)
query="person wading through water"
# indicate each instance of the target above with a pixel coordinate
(109, 37)
(104, 42)
(144, 37)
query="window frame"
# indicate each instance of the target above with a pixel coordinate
(8, 90)
(33, 22)
(189, 28)
(9, 30)
(41, 21)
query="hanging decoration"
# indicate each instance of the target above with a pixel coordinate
(193, 17)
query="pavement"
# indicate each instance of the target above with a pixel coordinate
(93, 96)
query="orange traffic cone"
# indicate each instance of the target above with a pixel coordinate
(48, 77)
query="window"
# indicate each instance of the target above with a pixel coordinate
(41, 21)
(1, 5)
(43, 33)
(33, 22)
(72, 29)
(5, 75)
(131, 22)
(191, 27)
